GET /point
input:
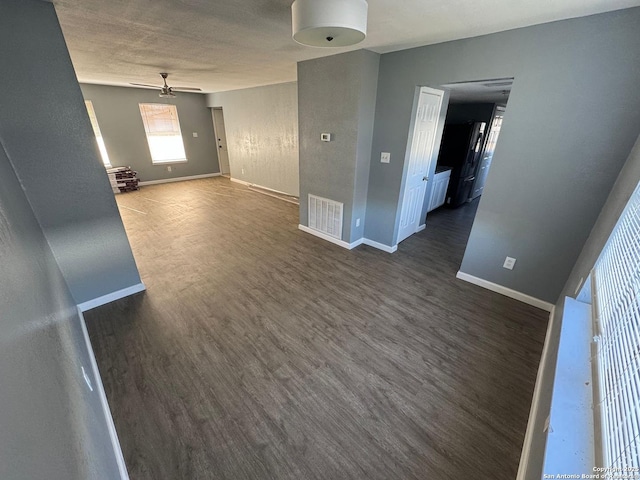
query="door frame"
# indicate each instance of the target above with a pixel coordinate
(441, 93)
(223, 138)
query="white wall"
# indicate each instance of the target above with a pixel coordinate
(262, 134)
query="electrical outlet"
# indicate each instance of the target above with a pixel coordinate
(385, 157)
(169, 168)
(357, 222)
(509, 263)
(243, 171)
(195, 134)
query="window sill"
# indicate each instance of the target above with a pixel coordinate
(170, 162)
(570, 439)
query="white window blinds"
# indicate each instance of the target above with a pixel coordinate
(617, 308)
(162, 127)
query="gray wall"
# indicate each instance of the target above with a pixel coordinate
(620, 193)
(366, 113)
(572, 118)
(337, 95)
(118, 113)
(51, 425)
(262, 134)
(46, 133)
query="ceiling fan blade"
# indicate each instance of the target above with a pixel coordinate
(145, 85)
(187, 88)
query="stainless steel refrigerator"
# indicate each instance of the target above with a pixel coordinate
(461, 149)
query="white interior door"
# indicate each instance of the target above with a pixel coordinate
(419, 160)
(221, 141)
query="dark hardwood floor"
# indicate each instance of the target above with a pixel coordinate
(262, 352)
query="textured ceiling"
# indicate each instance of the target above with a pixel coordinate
(221, 45)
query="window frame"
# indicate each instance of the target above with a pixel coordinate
(150, 135)
(97, 133)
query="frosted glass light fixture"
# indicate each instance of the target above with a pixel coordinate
(329, 23)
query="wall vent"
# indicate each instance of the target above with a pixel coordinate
(325, 216)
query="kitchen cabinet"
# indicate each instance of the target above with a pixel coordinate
(439, 189)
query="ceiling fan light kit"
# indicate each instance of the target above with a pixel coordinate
(329, 23)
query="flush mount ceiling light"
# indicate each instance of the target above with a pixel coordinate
(329, 23)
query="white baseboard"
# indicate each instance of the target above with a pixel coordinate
(507, 292)
(347, 245)
(421, 227)
(335, 241)
(240, 181)
(97, 383)
(179, 179)
(535, 404)
(256, 185)
(380, 246)
(111, 297)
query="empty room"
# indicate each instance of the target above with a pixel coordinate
(261, 239)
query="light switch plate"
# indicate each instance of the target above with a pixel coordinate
(385, 157)
(509, 263)
(195, 134)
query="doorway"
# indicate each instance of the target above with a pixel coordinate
(470, 135)
(221, 140)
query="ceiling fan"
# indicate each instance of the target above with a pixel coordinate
(166, 90)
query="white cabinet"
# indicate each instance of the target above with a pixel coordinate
(439, 189)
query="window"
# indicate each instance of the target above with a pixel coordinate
(616, 278)
(163, 132)
(594, 421)
(98, 134)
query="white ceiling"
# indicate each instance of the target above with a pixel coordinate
(223, 45)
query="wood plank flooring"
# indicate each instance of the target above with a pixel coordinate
(262, 352)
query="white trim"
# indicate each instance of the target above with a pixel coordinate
(179, 179)
(352, 245)
(171, 161)
(285, 197)
(535, 404)
(249, 184)
(421, 227)
(415, 109)
(335, 241)
(570, 435)
(357, 243)
(507, 292)
(111, 297)
(240, 181)
(380, 246)
(113, 435)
